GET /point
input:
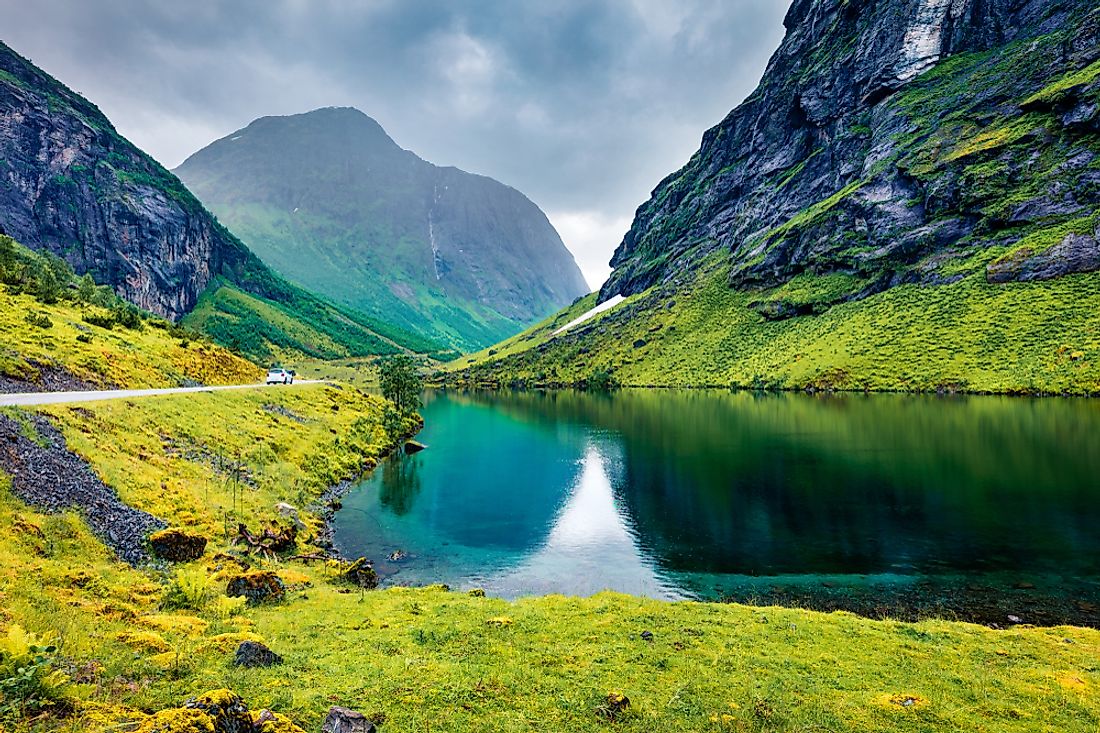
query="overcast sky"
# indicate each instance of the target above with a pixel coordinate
(584, 105)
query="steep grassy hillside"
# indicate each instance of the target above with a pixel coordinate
(59, 332)
(300, 326)
(968, 336)
(332, 203)
(933, 228)
(133, 641)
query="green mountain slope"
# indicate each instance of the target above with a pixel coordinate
(72, 186)
(331, 202)
(880, 214)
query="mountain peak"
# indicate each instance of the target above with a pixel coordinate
(331, 201)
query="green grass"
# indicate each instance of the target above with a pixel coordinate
(117, 356)
(970, 336)
(1056, 91)
(299, 327)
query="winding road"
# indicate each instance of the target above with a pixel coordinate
(51, 398)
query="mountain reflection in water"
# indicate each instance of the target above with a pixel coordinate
(975, 507)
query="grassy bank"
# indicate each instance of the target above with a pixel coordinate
(135, 641)
(971, 336)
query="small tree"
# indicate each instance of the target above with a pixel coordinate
(86, 289)
(401, 383)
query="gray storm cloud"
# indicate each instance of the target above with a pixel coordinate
(583, 106)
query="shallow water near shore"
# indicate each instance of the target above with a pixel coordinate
(977, 508)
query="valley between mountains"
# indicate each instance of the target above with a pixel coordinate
(475, 510)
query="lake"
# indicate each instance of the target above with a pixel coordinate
(977, 508)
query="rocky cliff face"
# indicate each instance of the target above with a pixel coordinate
(71, 185)
(894, 141)
(330, 201)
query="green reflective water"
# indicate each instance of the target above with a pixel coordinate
(974, 507)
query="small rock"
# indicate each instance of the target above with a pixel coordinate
(290, 512)
(342, 720)
(177, 545)
(1015, 619)
(398, 555)
(1024, 585)
(647, 636)
(362, 574)
(614, 705)
(258, 587)
(255, 654)
(412, 446)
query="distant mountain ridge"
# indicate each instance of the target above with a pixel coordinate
(71, 185)
(330, 201)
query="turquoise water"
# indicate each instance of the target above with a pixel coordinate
(974, 507)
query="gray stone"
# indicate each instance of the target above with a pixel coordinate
(343, 720)
(255, 654)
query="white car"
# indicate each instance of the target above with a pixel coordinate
(280, 376)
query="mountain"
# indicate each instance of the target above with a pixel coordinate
(71, 185)
(909, 200)
(332, 203)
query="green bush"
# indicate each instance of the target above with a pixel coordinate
(189, 588)
(29, 682)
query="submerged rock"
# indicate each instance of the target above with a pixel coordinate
(177, 545)
(343, 720)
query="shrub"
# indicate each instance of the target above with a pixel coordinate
(95, 319)
(601, 380)
(41, 320)
(189, 588)
(29, 683)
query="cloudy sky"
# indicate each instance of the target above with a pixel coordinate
(584, 105)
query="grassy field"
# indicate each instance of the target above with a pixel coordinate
(970, 336)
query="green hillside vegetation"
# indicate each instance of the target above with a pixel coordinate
(297, 326)
(52, 321)
(330, 201)
(131, 642)
(817, 329)
(970, 336)
(245, 306)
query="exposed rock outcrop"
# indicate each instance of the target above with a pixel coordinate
(891, 140)
(70, 184)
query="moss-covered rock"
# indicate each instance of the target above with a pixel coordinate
(225, 709)
(177, 545)
(266, 721)
(260, 586)
(361, 573)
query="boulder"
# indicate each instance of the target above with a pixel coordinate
(1075, 253)
(255, 654)
(259, 586)
(411, 446)
(343, 720)
(226, 710)
(361, 573)
(177, 545)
